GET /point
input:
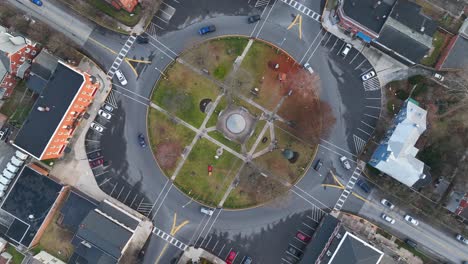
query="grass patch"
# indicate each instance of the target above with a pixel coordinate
(220, 71)
(167, 139)
(214, 116)
(230, 144)
(17, 256)
(438, 41)
(18, 106)
(181, 92)
(194, 180)
(383, 233)
(121, 15)
(57, 241)
(258, 128)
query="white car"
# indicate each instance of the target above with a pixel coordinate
(108, 108)
(207, 211)
(439, 77)
(411, 220)
(121, 77)
(104, 114)
(346, 50)
(345, 162)
(368, 75)
(388, 219)
(388, 204)
(97, 127)
(462, 239)
(309, 68)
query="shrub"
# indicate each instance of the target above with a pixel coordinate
(416, 79)
(402, 94)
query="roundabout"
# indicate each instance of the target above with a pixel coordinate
(241, 138)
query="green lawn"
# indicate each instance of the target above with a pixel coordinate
(57, 241)
(182, 92)
(167, 139)
(214, 117)
(438, 43)
(258, 128)
(219, 137)
(193, 178)
(17, 256)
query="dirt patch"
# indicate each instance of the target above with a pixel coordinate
(167, 154)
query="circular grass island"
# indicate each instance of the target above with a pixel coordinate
(235, 122)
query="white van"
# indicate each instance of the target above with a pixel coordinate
(17, 162)
(12, 167)
(3, 187)
(20, 155)
(346, 50)
(8, 174)
(4, 181)
(121, 77)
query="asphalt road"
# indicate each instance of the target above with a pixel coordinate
(134, 178)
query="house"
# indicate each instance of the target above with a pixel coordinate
(458, 204)
(29, 206)
(396, 154)
(16, 53)
(103, 235)
(397, 27)
(57, 112)
(44, 258)
(42, 68)
(454, 55)
(127, 5)
(332, 243)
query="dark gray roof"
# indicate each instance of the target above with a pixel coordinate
(353, 251)
(320, 239)
(402, 44)
(39, 127)
(363, 12)
(32, 194)
(36, 84)
(118, 215)
(410, 15)
(75, 209)
(5, 60)
(103, 234)
(89, 255)
(44, 65)
(457, 58)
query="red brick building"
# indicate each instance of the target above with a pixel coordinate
(127, 5)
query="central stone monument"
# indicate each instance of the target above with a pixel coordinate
(236, 123)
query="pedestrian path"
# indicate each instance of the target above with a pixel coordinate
(348, 189)
(172, 240)
(120, 58)
(303, 9)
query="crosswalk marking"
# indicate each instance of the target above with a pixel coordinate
(372, 84)
(172, 240)
(261, 3)
(123, 52)
(359, 144)
(302, 8)
(348, 189)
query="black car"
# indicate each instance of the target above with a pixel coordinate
(253, 19)
(141, 140)
(411, 243)
(318, 165)
(142, 40)
(294, 251)
(364, 186)
(94, 155)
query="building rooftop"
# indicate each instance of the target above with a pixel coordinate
(10, 44)
(43, 66)
(29, 201)
(319, 240)
(75, 208)
(368, 13)
(118, 214)
(456, 58)
(352, 250)
(410, 14)
(58, 96)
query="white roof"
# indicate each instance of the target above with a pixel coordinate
(9, 43)
(401, 163)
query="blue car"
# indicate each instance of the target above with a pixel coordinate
(37, 2)
(207, 29)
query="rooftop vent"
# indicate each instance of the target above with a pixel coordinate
(377, 4)
(422, 29)
(43, 109)
(329, 253)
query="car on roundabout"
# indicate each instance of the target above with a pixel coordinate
(345, 162)
(253, 19)
(207, 29)
(142, 140)
(410, 219)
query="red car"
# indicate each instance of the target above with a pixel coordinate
(231, 257)
(302, 237)
(96, 163)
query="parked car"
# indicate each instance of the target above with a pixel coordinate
(121, 77)
(462, 239)
(309, 68)
(294, 251)
(302, 237)
(4, 132)
(247, 260)
(368, 75)
(345, 162)
(141, 140)
(108, 108)
(207, 29)
(37, 2)
(388, 218)
(12, 168)
(253, 19)
(411, 220)
(364, 186)
(387, 203)
(104, 114)
(97, 127)
(96, 163)
(231, 257)
(346, 50)
(438, 77)
(206, 210)
(94, 155)
(142, 40)
(318, 165)
(17, 162)
(411, 243)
